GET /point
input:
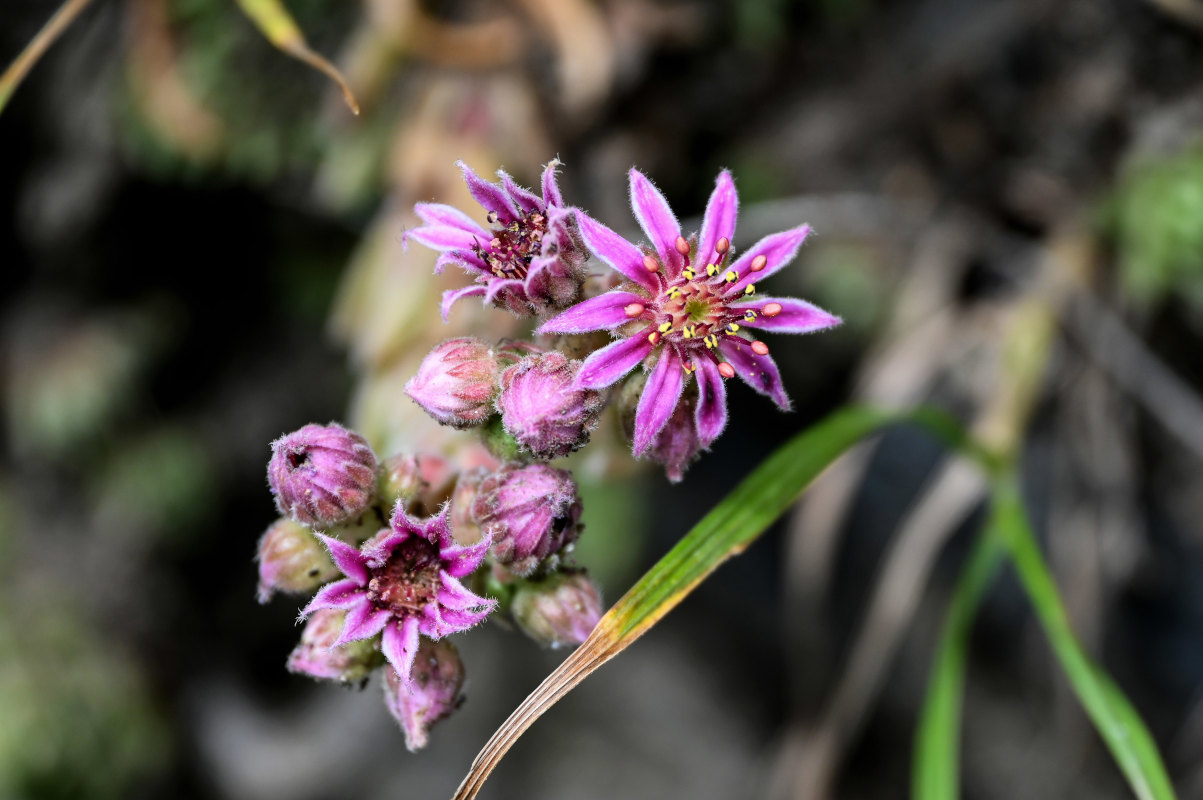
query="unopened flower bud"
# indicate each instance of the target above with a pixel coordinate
(433, 692)
(677, 445)
(530, 512)
(291, 560)
(421, 482)
(559, 610)
(322, 475)
(456, 382)
(316, 656)
(542, 409)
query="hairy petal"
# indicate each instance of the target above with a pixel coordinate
(659, 398)
(797, 316)
(399, 645)
(607, 365)
(599, 313)
(466, 559)
(719, 222)
(446, 238)
(658, 222)
(522, 198)
(347, 558)
(710, 416)
(452, 295)
(449, 216)
(489, 195)
(615, 251)
(778, 248)
(551, 187)
(340, 594)
(759, 372)
(362, 622)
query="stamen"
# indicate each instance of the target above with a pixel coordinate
(771, 310)
(760, 348)
(654, 337)
(634, 309)
(726, 370)
(711, 341)
(732, 327)
(750, 289)
(689, 331)
(688, 274)
(651, 264)
(750, 315)
(682, 246)
(760, 262)
(689, 367)
(730, 276)
(665, 327)
(712, 270)
(722, 246)
(675, 293)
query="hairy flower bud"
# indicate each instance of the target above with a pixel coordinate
(677, 445)
(542, 409)
(421, 482)
(561, 609)
(432, 694)
(318, 657)
(530, 512)
(456, 382)
(291, 560)
(322, 475)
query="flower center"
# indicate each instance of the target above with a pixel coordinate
(512, 247)
(409, 579)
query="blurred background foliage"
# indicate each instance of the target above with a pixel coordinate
(202, 247)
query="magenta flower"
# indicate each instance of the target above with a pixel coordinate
(530, 262)
(684, 309)
(434, 692)
(403, 582)
(542, 408)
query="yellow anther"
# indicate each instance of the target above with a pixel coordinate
(689, 330)
(750, 289)
(674, 293)
(688, 274)
(731, 276)
(711, 341)
(732, 328)
(665, 327)
(689, 367)
(654, 337)
(712, 270)
(750, 315)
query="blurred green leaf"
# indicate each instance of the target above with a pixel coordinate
(936, 773)
(745, 513)
(1113, 716)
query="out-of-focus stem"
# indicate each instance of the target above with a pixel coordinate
(17, 71)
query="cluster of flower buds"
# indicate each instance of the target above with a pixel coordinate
(403, 552)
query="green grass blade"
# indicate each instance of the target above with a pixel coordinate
(1113, 716)
(936, 772)
(730, 527)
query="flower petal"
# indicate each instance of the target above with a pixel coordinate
(452, 295)
(719, 222)
(778, 248)
(607, 365)
(551, 187)
(450, 216)
(615, 250)
(347, 558)
(659, 398)
(465, 559)
(710, 416)
(599, 313)
(455, 596)
(362, 622)
(340, 594)
(399, 645)
(491, 196)
(759, 372)
(522, 198)
(445, 237)
(796, 316)
(499, 286)
(658, 222)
